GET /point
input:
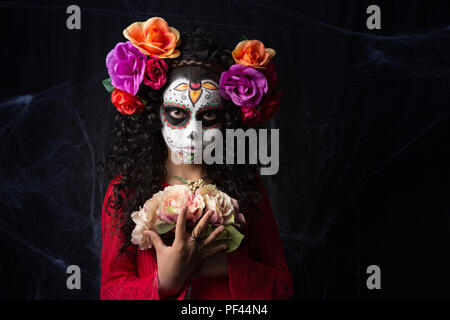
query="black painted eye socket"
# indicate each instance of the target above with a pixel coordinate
(176, 116)
(209, 117)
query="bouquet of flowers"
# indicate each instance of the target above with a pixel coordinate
(160, 213)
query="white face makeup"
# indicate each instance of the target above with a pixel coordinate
(189, 108)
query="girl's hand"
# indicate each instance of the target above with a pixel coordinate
(176, 262)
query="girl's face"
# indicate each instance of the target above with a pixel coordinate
(189, 108)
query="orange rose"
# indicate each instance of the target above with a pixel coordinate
(154, 37)
(252, 53)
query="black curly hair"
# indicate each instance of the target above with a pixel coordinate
(138, 151)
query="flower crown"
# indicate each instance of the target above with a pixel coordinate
(250, 83)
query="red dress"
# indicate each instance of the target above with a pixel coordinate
(256, 270)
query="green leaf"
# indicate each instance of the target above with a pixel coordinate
(181, 179)
(230, 236)
(231, 219)
(165, 227)
(135, 117)
(108, 86)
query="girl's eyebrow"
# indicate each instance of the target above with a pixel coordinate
(211, 106)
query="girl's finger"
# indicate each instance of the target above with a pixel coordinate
(213, 235)
(156, 240)
(209, 252)
(201, 224)
(180, 228)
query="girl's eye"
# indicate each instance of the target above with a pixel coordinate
(209, 116)
(177, 114)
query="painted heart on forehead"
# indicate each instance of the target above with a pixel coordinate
(189, 108)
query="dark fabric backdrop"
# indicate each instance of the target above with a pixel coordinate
(364, 130)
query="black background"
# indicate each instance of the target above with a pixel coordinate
(364, 130)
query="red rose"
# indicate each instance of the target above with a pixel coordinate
(126, 103)
(270, 105)
(155, 72)
(250, 116)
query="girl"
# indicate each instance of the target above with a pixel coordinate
(141, 163)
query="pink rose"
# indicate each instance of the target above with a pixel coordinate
(197, 206)
(172, 202)
(155, 72)
(220, 203)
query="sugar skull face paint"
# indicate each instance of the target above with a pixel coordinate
(189, 108)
